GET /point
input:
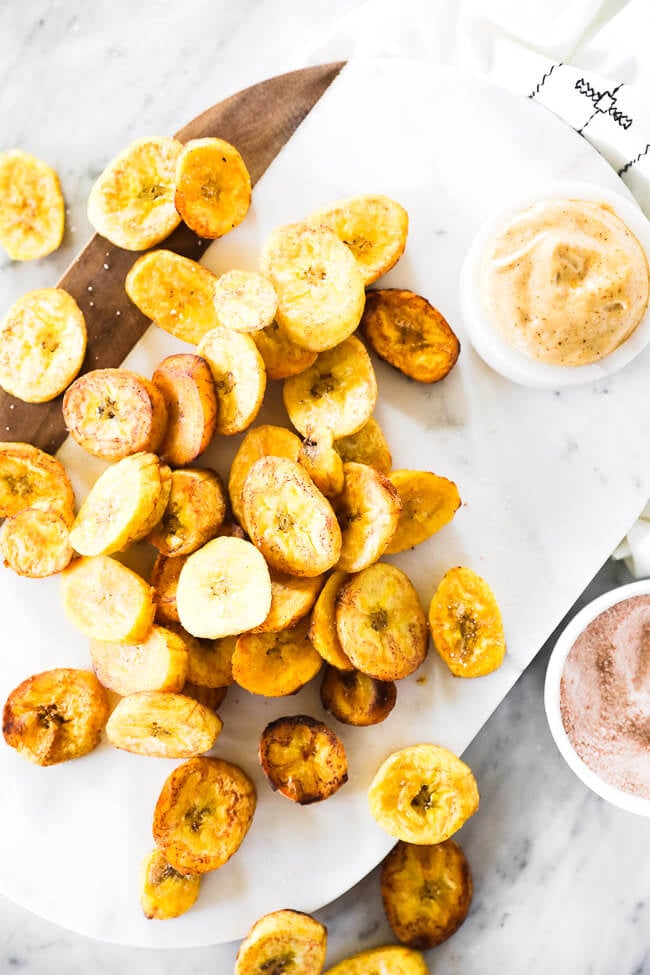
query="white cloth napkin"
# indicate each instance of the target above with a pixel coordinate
(585, 60)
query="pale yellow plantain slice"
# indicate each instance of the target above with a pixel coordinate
(239, 377)
(318, 283)
(373, 227)
(366, 446)
(292, 598)
(466, 625)
(289, 520)
(381, 624)
(213, 187)
(423, 794)
(159, 663)
(210, 697)
(338, 393)
(283, 942)
(164, 891)
(203, 813)
(187, 387)
(426, 891)
(356, 699)
(245, 301)
(429, 502)
(303, 759)
(264, 441)
(107, 601)
(32, 215)
(42, 345)
(163, 725)
(35, 543)
(164, 579)
(176, 292)
(282, 357)
(322, 462)
(194, 512)
(132, 201)
(388, 960)
(112, 413)
(121, 506)
(30, 478)
(322, 630)
(368, 510)
(275, 664)
(55, 716)
(223, 589)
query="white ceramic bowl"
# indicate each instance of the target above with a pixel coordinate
(498, 353)
(624, 800)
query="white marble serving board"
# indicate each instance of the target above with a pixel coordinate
(549, 481)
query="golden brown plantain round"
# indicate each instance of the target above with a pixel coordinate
(210, 697)
(303, 759)
(239, 377)
(32, 215)
(263, 441)
(368, 510)
(410, 334)
(213, 187)
(112, 413)
(203, 813)
(194, 512)
(159, 663)
(292, 597)
(282, 357)
(42, 345)
(107, 601)
(30, 478)
(322, 630)
(163, 725)
(275, 664)
(55, 716)
(429, 502)
(426, 891)
(466, 625)
(322, 462)
(245, 301)
(35, 543)
(283, 943)
(187, 387)
(164, 580)
(366, 446)
(288, 519)
(423, 794)
(164, 892)
(381, 624)
(389, 960)
(356, 699)
(210, 661)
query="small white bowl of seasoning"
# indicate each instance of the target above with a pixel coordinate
(597, 696)
(554, 287)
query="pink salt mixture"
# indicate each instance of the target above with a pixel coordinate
(605, 695)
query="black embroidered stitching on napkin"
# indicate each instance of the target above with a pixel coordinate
(604, 104)
(540, 84)
(633, 162)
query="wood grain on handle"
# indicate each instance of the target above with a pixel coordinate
(259, 121)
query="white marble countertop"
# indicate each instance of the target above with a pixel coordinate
(560, 879)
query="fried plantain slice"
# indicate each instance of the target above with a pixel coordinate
(322, 462)
(35, 543)
(337, 393)
(410, 334)
(288, 519)
(283, 942)
(158, 663)
(42, 345)
(132, 201)
(391, 959)
(366, 446)
(30, 478)
(210, 661)
(426, 891)
(194, 512)
(164, 891)
(373, 227)
(186, 385)
(112, 413)
(224, 588)
(55, 716)
(282, 357)
(264, 441)
(322, 629)
(210, 697)
(122, 505)
(239, 377)
(368, 510)
(423, 794)
(356, 699)
(429, 502)
(203, 813)
(163, 725)
(292, 598)
(318, 284)
(213, 187)
(164, 580)
(174, 291)
(381, 624)
(107, 601)
(275, 664)
(466, 625)
(32, 216)
(303, 759)
(245, 301)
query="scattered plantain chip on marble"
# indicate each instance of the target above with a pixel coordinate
(429, 502)
(32, 215)
(391, 960)
(164, 891)
(30, 478)
(303, 759)
(466, 625)
(35, 542)
(354, 698)
(163, 725)
(280, 942)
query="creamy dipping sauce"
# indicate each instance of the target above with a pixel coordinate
(565, 282)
